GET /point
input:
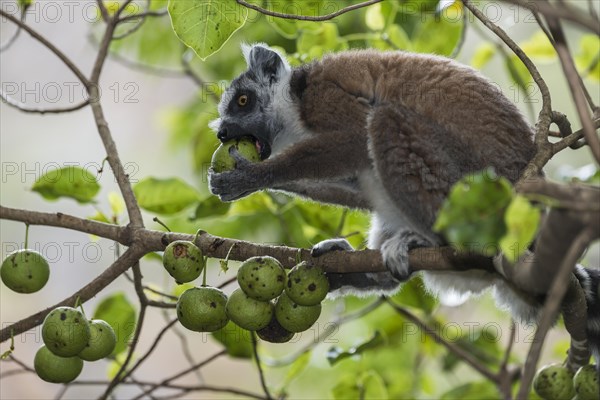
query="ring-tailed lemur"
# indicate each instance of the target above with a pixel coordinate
(389, 132)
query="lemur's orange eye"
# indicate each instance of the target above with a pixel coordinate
(242, 100)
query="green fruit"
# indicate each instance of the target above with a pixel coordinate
(294, 317)
(262, 278)
(66, 331)
(183, 261)
(55, 369)
(25, 271)
(222, 160)
(102, 341)
(554, 381)
(307, 284)
(247, 312)
(586, 383)
(275, 333)
(202, 309)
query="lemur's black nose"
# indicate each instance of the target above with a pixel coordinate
(222, 134)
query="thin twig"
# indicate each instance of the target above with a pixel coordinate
(575, 86)
(24, 108)
(67, 61)
(327, 17)
(186, 371)
(150, 350)
(564, 12)
(139, 289)
(551, 308)
(261, 374)
(452, 347)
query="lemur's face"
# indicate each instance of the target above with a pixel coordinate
(247, 107)
(243, 112)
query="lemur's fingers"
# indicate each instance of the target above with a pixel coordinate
(240, 161)
(330, 245)
(395, 252)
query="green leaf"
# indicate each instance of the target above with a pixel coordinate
(74, 182)
(314, 44)
(100, 217)
(413, 294)
(115, 365)
(472, 217)
(483, 55)
(116, 202)
(398, 37)
(473, 390)
(368, 385)
(518, 72)
(164, 196)
(206, 25)
(336, 354)
(237, 341)
(374, 18)
(588, 57)
(24, 4)
(210, 207)
(440, 34)
(481, 343)
(297, 367)
(522, 220)
(539, 48)
(119, 313)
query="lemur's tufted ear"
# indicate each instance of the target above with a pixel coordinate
(265, 62)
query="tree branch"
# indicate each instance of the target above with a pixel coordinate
(551, 308)
(564, 12)
(574, 80)
(544, 150)
(48, 45)
(24, 108)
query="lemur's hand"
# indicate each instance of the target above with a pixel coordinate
(243, 180)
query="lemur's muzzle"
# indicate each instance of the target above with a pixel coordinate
(231, 131)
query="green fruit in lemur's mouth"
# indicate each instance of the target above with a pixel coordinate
(222, 160)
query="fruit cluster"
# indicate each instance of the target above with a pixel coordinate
(273, 304)
(69, 340)
(555, 381)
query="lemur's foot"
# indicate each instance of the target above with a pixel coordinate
(395, 252)
(330, 245)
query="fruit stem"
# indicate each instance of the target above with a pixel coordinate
(79, 304)
(204, 275)
(26, 235)
(155, 219)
